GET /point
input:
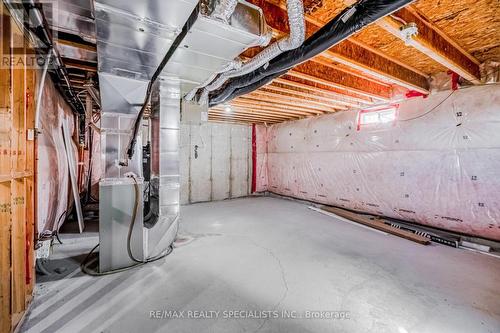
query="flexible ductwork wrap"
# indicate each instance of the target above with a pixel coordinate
(348, 22)
(296, 37)
(224, 10)
(229, 66)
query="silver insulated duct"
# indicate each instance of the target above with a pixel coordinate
(296, 21)
(132, 39)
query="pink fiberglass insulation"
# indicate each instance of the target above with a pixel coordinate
(438, 164)
(53, 187)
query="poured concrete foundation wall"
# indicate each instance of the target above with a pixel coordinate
(438, 164)
(215, 161)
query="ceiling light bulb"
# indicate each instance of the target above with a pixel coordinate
(228, 108)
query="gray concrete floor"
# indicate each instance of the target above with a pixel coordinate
(267, 254)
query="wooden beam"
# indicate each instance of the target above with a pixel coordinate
(350, 54)
(433, 43)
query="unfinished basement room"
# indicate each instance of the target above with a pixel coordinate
(250, 166)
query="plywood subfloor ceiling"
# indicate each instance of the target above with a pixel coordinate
(367, 68)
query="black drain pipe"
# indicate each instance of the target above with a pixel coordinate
(348, 22)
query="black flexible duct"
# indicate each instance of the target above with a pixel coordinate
(348, 22)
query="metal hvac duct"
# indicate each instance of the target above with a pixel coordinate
(132, 39)
(296, 37)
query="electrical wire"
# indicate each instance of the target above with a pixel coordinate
(84, 266)
(132, 223)
(432, 109)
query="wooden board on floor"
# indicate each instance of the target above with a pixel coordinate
(376, 224)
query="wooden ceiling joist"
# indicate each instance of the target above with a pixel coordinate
(87, 47)
(226, 121)
(321, 74)
(268, 91)
(243, 115)
(433, 43)
(70, 63)
(235, 120)
(344, 98)
(241, 101)
(240, 118)
(288, 91)
(249, 110)
(348, 53)
(361, 58)
(256, 97)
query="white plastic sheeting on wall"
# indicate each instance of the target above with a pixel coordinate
(215, 161)
(438, 164)
(53, 191)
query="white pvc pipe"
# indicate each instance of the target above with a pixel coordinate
(40, 91)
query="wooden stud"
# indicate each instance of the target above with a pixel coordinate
(5, 259)
(18, 250)
(17, 90)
